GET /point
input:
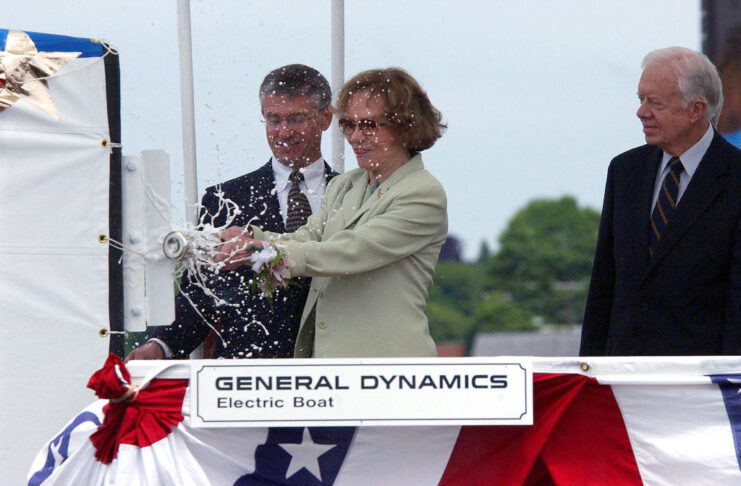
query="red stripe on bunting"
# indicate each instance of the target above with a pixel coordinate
(578, 438)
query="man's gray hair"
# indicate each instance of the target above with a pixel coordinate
(297, 80)
(698, 78)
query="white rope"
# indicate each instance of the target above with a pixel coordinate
(110, 145)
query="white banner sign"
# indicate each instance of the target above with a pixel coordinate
(396, 391)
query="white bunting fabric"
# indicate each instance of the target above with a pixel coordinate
(673, 421)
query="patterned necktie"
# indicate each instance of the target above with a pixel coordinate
(665, 204)
(299, 208)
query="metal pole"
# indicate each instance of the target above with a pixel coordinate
(338, 78)
(187, 108)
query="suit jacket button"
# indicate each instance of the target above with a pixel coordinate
(322, 325)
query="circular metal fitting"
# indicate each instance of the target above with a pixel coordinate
(102, 238)
(584, 366)
(174, 245)
(103, 332)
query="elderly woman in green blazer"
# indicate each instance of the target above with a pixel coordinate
(372, 247)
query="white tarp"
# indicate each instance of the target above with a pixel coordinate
(54, 181)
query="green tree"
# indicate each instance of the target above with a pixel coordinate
(447, 323)
(497, 313)
(484, 253)
(545, 258)
(458, 285)
(455, 293)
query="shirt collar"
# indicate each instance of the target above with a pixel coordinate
(313, 174)
(693, 156)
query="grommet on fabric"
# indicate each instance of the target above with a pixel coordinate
(102, 238)
(584, 366)
(103, 332)
(108, 144)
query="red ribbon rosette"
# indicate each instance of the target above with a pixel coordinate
(138, 416)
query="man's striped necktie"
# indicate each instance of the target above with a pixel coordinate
(299, 208)
(665, 204)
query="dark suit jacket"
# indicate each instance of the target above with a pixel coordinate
(253, 329)
(686, 299)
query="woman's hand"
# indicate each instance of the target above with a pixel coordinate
(237, 247)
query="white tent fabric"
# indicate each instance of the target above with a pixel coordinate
(54, 180)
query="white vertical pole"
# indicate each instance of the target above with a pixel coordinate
(187, 108)
(338, 78)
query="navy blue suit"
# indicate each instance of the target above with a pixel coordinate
(686, 298)
(253, 329)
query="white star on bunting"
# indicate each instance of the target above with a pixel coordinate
(306, 455)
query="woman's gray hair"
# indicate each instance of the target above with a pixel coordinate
(697, 77)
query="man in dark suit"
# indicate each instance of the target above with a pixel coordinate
(666, 278)
(280, 195)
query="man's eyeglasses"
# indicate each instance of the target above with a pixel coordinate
(294, 120)
(367, 127)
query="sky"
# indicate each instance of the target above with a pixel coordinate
(538, 95)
